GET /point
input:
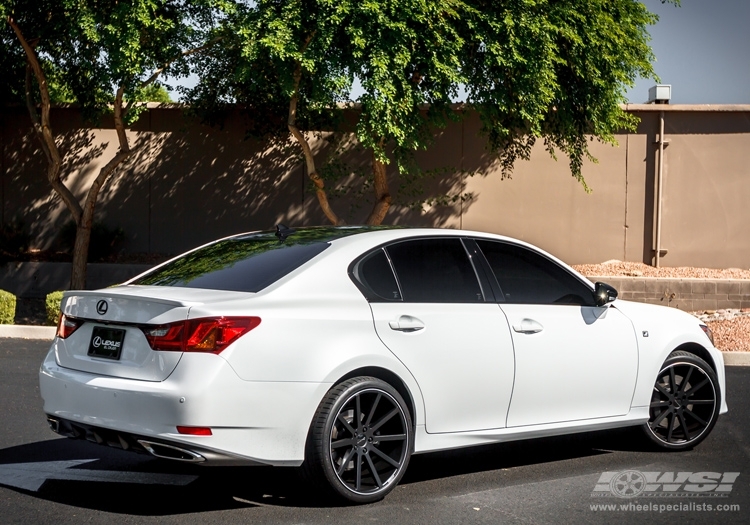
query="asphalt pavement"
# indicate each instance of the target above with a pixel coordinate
(600, 477)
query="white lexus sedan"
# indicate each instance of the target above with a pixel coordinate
(346, 350)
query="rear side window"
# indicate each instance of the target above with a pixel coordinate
(374, 271)
(435, 271)
(240, 264)
(527, 277)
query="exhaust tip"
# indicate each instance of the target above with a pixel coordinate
(160, 450)
(54, 424)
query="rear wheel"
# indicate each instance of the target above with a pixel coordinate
(360, 440)
(684, 404)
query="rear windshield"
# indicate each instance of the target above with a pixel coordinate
(246, 263)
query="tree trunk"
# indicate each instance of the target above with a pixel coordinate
(312, 172)
(382, 194)
(83, 216)
(83, 226)
(80, 254)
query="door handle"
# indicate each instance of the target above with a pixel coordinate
(406, 323)
(528, 326)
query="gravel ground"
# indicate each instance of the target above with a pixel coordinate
(615, 268)
(731, 328)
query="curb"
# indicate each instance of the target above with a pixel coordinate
(736, 358)
(27, 332)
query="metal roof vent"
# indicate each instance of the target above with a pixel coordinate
(660, 94)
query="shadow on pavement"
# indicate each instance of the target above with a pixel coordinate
(170, 488)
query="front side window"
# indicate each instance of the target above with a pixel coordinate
(434, 271)
(526, 277)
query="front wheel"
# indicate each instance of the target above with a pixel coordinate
(360, 440)
(684, 404)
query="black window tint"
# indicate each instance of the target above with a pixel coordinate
(240, 264)
(435, 271)
(529, 278)
(375, 273)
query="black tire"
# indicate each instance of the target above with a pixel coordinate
(360, 440)
(685, 402)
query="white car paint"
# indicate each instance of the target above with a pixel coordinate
(261, 393)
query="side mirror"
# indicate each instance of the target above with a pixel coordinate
(604, 294)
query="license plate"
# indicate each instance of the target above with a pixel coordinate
(106, 342)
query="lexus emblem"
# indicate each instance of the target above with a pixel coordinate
(101, 307)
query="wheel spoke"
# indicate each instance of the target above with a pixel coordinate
(394, 437)
(358, 485)
(699, 420)
(686, 380)
(357, 412)
(671, 428)
(346, 460)
(372, 410)
(663, 391)
(385, 418)
(672, 380)
(374, 472)
(693, 390)
(346, 424)
(655, 404)
(655, 422)
(342, 443)
(700, 402)
(386, 457)
(684, 425)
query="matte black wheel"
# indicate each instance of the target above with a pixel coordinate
(361, 439)
(684, 404)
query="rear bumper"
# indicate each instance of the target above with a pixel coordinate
(252, 422)
(160, 448)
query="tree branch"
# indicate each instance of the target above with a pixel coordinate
(42, 127)
(312, 172)
(382, 193)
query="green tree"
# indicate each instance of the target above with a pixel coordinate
(106, 56)
(548, 70)
(293, 65)
(553, 70)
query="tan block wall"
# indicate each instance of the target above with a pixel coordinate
(189, 183)
(690, 295)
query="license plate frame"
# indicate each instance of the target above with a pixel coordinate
(106, 342)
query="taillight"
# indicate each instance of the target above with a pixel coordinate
(207, 334)
(66, 326)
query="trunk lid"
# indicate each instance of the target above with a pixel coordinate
(110, 341)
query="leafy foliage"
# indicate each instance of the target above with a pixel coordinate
(548, 70)
(98, 55)
(153, 93)
(556, 71)
(52, 303)
(7, 307)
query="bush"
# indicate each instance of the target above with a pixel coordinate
(7, 307)
(52, 304)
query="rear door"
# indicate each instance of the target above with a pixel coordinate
(436, 321)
